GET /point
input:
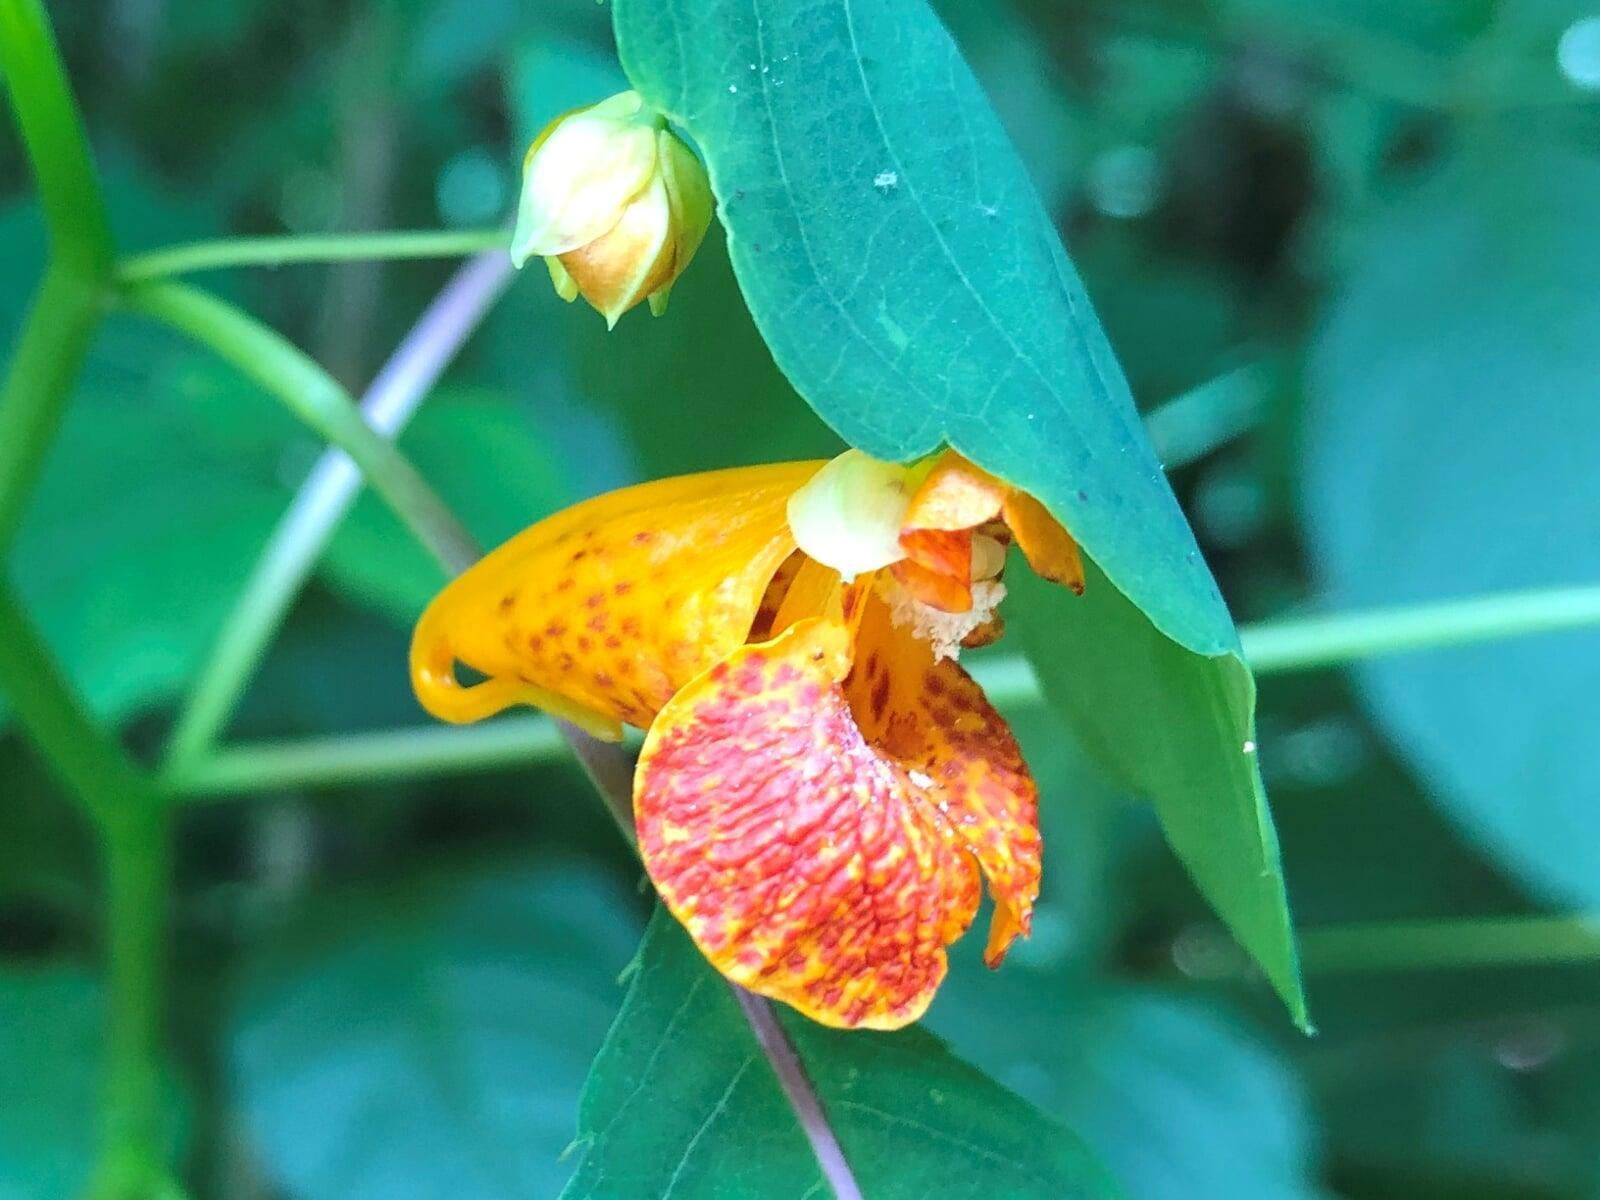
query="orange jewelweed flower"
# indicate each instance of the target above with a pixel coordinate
(822, 788)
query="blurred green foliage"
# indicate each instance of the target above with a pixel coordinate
(396, 989)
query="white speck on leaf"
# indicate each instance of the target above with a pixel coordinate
(733, 89)
(886, 181)
(1249, 747)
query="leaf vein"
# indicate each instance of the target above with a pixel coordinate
(943, 1135)
(716, 1111)
(789, 194)
(933, 228)
(649, 1066)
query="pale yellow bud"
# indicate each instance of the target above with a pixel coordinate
(849, 514)
(615, 203)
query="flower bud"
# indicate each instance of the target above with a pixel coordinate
(848, 516)
(616, 204)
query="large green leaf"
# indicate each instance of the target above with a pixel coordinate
(1180, 1102)
(910, 284)
(682, 1102)
(904, 273)
(431, 1044)
(1182, 736)
(1450, 440)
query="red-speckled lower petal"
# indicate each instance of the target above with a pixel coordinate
(934, 722)
(802, 861)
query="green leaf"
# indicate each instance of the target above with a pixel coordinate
(682, 1101)
(1450, 443)
(431, 1043)
(491, 467)
(50, 1059)
(1180, 736)
(911, 286)
(1179, 1102)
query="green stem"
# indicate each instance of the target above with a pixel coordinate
(97, 771)
(1192, 425)
(1307, 643)
(317, 399)
(45, 361)
(138, 882)
(133, 824)
(1468, 942)
(1312, 643)
(52, 131)
(278, 251)
(95, 768)
(364, 758)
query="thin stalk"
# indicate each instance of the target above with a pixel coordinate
(94, 767)
(1308, 643)
(45, 361)
(365, 758)
(801, 1093)
(169, 261)
(1468, 942)
(1311, 643)
(53, 134)
(1190, 426)
(315, 397)
(326, 496)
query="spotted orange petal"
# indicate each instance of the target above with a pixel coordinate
(602, 611)
(933, 721)
(805, 864)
